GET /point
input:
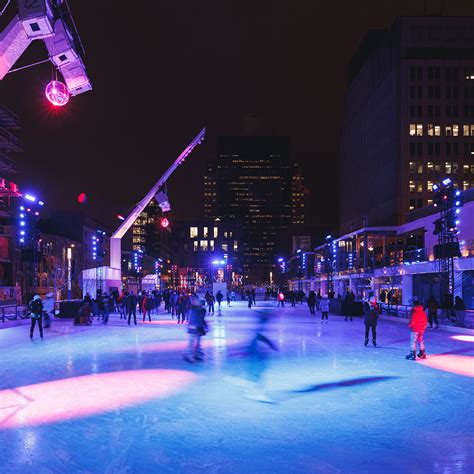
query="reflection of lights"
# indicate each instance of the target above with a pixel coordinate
(457, 364)
(463, 337)
(70, 398)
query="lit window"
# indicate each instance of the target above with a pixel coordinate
(216, 232)
(211, 245)
(225, 247)
(430, 202)
(416, 129)
(451, 167)
(236, 245)
(412, 186)
(429, 167)
(430, 129)
(225, 234)
(412, 204)
(193, 232)
(449, 130)
(203, 245)
(437, 130)
(465, 130)
(455, 130)
(419, 187)
(195, 248)
(429, 186)
(205, 232)
(465, 185)
(230, 234)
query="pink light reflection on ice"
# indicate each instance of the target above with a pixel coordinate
(78, 397)
(182, 345)
(463, 337)
(456, 364)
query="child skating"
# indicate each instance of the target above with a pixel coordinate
(418, 323)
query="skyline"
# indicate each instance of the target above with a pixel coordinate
(213, 82)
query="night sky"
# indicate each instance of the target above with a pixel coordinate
(161, 72)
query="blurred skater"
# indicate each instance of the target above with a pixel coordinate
(197, 327)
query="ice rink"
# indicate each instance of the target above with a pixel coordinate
(120, 399)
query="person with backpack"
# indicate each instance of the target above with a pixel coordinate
(418, 323)
(35, 306)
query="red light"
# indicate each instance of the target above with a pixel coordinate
(165, 222)
(57, 93)
(82, 198)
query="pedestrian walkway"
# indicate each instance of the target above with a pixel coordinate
(121, 398)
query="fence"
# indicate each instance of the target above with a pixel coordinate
(13, 312)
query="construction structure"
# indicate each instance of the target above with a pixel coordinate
(111, 276)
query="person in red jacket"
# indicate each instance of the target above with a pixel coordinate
(418, 323)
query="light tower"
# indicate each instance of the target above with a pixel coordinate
(449, 201)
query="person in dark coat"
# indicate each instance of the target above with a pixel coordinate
(370, 319)
(130, 304)
(460, 309)
(197, 327)
(36, 308)
(312, 302)
(432, 307)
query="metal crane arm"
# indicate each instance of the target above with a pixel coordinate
(115, 247)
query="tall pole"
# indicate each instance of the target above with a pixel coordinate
(115, 240)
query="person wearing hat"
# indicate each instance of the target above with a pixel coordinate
(36, 308)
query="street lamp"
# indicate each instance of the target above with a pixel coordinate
(69, 283)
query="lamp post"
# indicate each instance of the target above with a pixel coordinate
(69, 283)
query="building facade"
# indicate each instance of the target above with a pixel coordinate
(253, 182)
(208, 251)
(408, 119)
(400, 259)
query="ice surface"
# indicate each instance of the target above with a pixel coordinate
(121, 399)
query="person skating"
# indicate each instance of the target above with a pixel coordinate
(281, 299)
(370, 319)
(210, 302)
(250, 300)
(228, 298)
(131, 307)
(36, 308)
(254, 297)
(147, 306)
(312, 302)
(418, 323)
(219, 297)
(48, 310)
(197, 327)
(432, 307)
(324, 307)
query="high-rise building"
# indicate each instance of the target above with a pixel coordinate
(408, 119)
(148, 235)
(9, 143)
(251, 183)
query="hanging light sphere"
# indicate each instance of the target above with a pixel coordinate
(82, 198)
(165, 222)
(57, 93)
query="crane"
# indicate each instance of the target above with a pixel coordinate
(112, 274)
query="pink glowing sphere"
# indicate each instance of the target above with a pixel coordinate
(82, 198)
(57, 93)
(165, 222)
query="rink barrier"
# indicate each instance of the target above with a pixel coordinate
(13, 312)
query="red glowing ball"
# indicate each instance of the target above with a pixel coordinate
(165, 222)
(82, 198)
(57, 93)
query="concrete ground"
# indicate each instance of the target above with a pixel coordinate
(120, 399)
